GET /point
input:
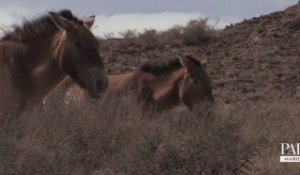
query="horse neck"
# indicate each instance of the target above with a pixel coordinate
(167, 92)
(43, 66)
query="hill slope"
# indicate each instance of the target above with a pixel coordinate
(257, 59)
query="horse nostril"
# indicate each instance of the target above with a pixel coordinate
(101, 84)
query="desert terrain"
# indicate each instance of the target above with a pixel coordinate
(255, 75)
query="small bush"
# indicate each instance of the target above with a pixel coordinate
(194, 33)
(150, 39)
(197, 32)
(173, 36)
(5, 28)
(128, 34)
(129, 37)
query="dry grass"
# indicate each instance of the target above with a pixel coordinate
(114, 136)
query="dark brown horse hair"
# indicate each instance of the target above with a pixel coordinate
(166, 66)
(33, 28)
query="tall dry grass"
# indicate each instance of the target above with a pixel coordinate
(114, 136)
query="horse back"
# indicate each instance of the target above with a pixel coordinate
(136, 82)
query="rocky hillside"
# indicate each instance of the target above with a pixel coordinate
(257, 59)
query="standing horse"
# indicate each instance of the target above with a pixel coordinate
(164, 86)
(37, 56)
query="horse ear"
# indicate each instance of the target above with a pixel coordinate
(185, 62)
(204, 63)
(60, 22)
(89, 21)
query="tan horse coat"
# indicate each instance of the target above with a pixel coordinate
(181, 80)
(37, 56)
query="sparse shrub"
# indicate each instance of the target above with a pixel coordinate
(150, 39)
(197, 32)
(114, 136)
(175, 32)
(129, 37)
(128, 34)
(5, 28)
(194, 33)
(173, 36)
(182, 143)
(109, 35)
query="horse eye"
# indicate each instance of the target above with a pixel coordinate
(78, 44)
(195, 82)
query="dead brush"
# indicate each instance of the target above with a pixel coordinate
(198, 32)
(173, 36)
(129, 38)
(115, 136)
(150, 39)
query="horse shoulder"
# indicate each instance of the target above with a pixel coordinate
(12, 54)
(11, 67)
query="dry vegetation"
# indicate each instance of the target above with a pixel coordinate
(254, 70)
(5, 28)
(196, 32)
(115, 136)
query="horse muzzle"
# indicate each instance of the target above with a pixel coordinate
(97, 83)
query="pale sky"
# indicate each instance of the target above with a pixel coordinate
(119, 15)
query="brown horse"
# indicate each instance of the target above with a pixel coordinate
(37, 56)
(164, 86)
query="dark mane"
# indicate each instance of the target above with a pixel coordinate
(167, 66)
(36, 27)
(161, 68)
